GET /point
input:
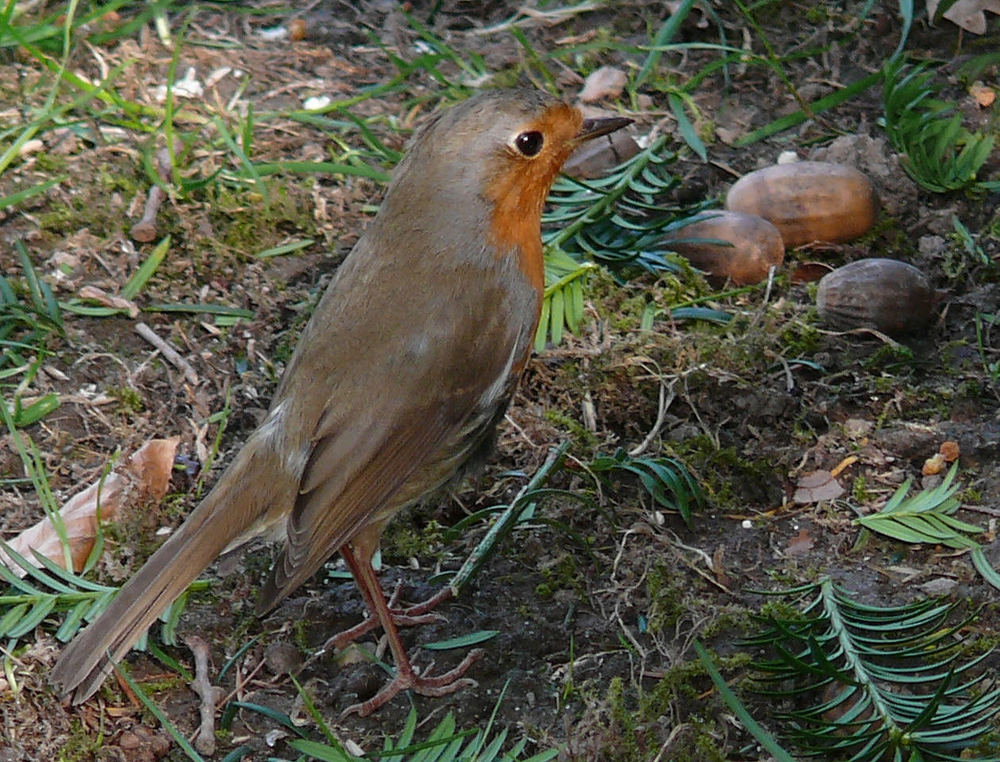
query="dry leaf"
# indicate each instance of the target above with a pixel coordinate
(109, 300)
(606, 82)
(719, 567)
(968, 14)
(934, 465)
(817, 486)
(984, 95)
(800, 544)
(949, 450)
(141, 478)
(807, 272)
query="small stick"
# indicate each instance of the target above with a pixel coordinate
(169, 353)
(145, 229)
(209, 694)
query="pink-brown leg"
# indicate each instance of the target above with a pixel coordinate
(403, 617)
(406, 678)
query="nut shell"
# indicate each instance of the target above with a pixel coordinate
(756, 246)
(891, 296)
(808, 201)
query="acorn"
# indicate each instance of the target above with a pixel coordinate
(885, 294)
(736, 246)
(808, 201)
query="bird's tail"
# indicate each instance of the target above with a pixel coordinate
(88, 658)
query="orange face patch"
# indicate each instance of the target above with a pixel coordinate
(520, 184)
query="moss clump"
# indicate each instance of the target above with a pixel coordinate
(623, 722)
(666, 599)
(79, 745)
(723, 471)
(585, 438)
(561, 574)
(129, 400)
(407, 540)
(801, 339)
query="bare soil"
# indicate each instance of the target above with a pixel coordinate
(592, 590)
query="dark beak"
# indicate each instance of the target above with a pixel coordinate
(594, 128)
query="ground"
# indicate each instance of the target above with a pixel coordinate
(598, 598)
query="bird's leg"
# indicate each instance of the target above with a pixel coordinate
(403, 617)
(406, 678)
(409, 616)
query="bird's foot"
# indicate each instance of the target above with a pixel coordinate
(403, 617)
(407, 679)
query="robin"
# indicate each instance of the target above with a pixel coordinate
(398, 380)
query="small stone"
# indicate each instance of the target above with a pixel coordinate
(282, 658)
(858, 428)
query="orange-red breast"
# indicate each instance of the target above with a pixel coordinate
(398, 380)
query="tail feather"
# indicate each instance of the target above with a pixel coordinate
(86, 661)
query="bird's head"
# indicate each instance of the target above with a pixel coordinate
(504, 149)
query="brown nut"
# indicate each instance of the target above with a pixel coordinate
(598, 157)
(808, 201)
(885, 294)
(756, 246)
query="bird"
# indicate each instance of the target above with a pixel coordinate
(396, 385)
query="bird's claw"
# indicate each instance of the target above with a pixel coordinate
(439, 685)
(403, 617)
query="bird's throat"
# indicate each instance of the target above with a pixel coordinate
(516, 223)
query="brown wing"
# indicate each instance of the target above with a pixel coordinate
(407, 413)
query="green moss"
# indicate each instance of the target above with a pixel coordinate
(407, 540)
(889, 357)
(727, 620)
(129, 400)
(678, 682)
(623, 722)
(816, 14)
(666, 599)
(800, 339)
(728, 476)
(50, 162)
(561, 574)
(859, 490)
(80, 745)
(582, 436)
(252, 223)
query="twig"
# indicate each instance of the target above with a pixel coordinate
(145, 229)
(169, 353)
(208, 693)
(661, 416)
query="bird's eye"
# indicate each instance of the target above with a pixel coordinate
(529, 143)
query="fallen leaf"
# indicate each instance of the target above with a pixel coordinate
(858, 428)
(970, 14)
(143, 477)
(606, 82)
(934, 465)
(808, 272)
(817, 486)
(949, 450)
(719, 567)
(984, 95)
(109, 300)
(939, 586)
(800, 544)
